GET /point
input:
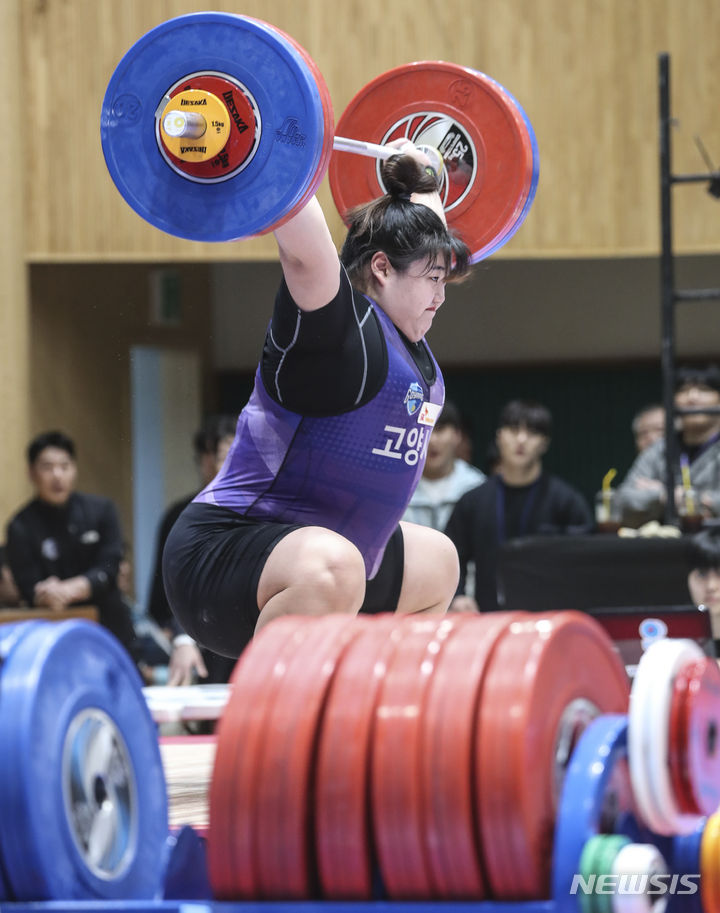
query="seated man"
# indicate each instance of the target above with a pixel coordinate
(519, 499)
(64, 547)
(648, 426)
(642, 495)
(445, 476)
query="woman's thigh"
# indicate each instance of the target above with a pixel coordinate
(212, 562)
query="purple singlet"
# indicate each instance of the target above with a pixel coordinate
(353, 473)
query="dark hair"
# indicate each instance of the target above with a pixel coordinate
(213, 430)
(526, 413)
(50, 439)
(402, 230)
(703, 550)
(450, 415)
(705, 376)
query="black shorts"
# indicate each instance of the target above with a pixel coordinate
(212, 562)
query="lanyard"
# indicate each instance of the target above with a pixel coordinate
(694, 452)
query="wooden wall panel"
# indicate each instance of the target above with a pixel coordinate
(14, 322)
(85, 321)
(585, 72)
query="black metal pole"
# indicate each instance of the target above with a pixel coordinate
(667, 288)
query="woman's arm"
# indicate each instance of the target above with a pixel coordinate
(308, 258)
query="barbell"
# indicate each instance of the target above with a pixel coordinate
(217, 127)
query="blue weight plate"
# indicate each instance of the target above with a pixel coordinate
(82, 790)
(600, 748)
(685, 860)
(12, 633)
(286, 95)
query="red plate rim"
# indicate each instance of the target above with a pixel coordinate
(537, 670)
(231, 862)
(452, 845)
(342, 814)
(696, 688)
(395, 764)
(329, 122)
(283, 798)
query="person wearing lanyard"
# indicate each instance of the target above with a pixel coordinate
(642, 493)
(519, 499)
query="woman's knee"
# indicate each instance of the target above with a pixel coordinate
(447, 565)
(335, 571)
(432, 569)
(322, 570)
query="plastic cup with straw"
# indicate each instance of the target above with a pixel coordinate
(607, 490)
(690, 519)
(603, 510)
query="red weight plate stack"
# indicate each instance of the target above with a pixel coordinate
(547, 678)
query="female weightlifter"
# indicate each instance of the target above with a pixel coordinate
(304, 516)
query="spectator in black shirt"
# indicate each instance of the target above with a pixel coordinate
(64, 547)
(519, 499)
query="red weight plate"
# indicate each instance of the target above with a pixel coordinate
(283, 799)
(448, 727)
(678, 743)
(693, 752)
(244, 132)
(342, 800)
(548, 677)
(231, 857)
(329, 122)
(395, 767)
(485, 142)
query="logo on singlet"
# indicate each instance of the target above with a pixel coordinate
(414, 398)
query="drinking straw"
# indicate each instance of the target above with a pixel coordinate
(687, 484)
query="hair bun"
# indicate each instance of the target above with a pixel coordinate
(403, 175)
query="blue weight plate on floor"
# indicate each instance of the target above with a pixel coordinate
(286, 95)
(600, 748)
(11, 634)
(82, 791)
(685, 860)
